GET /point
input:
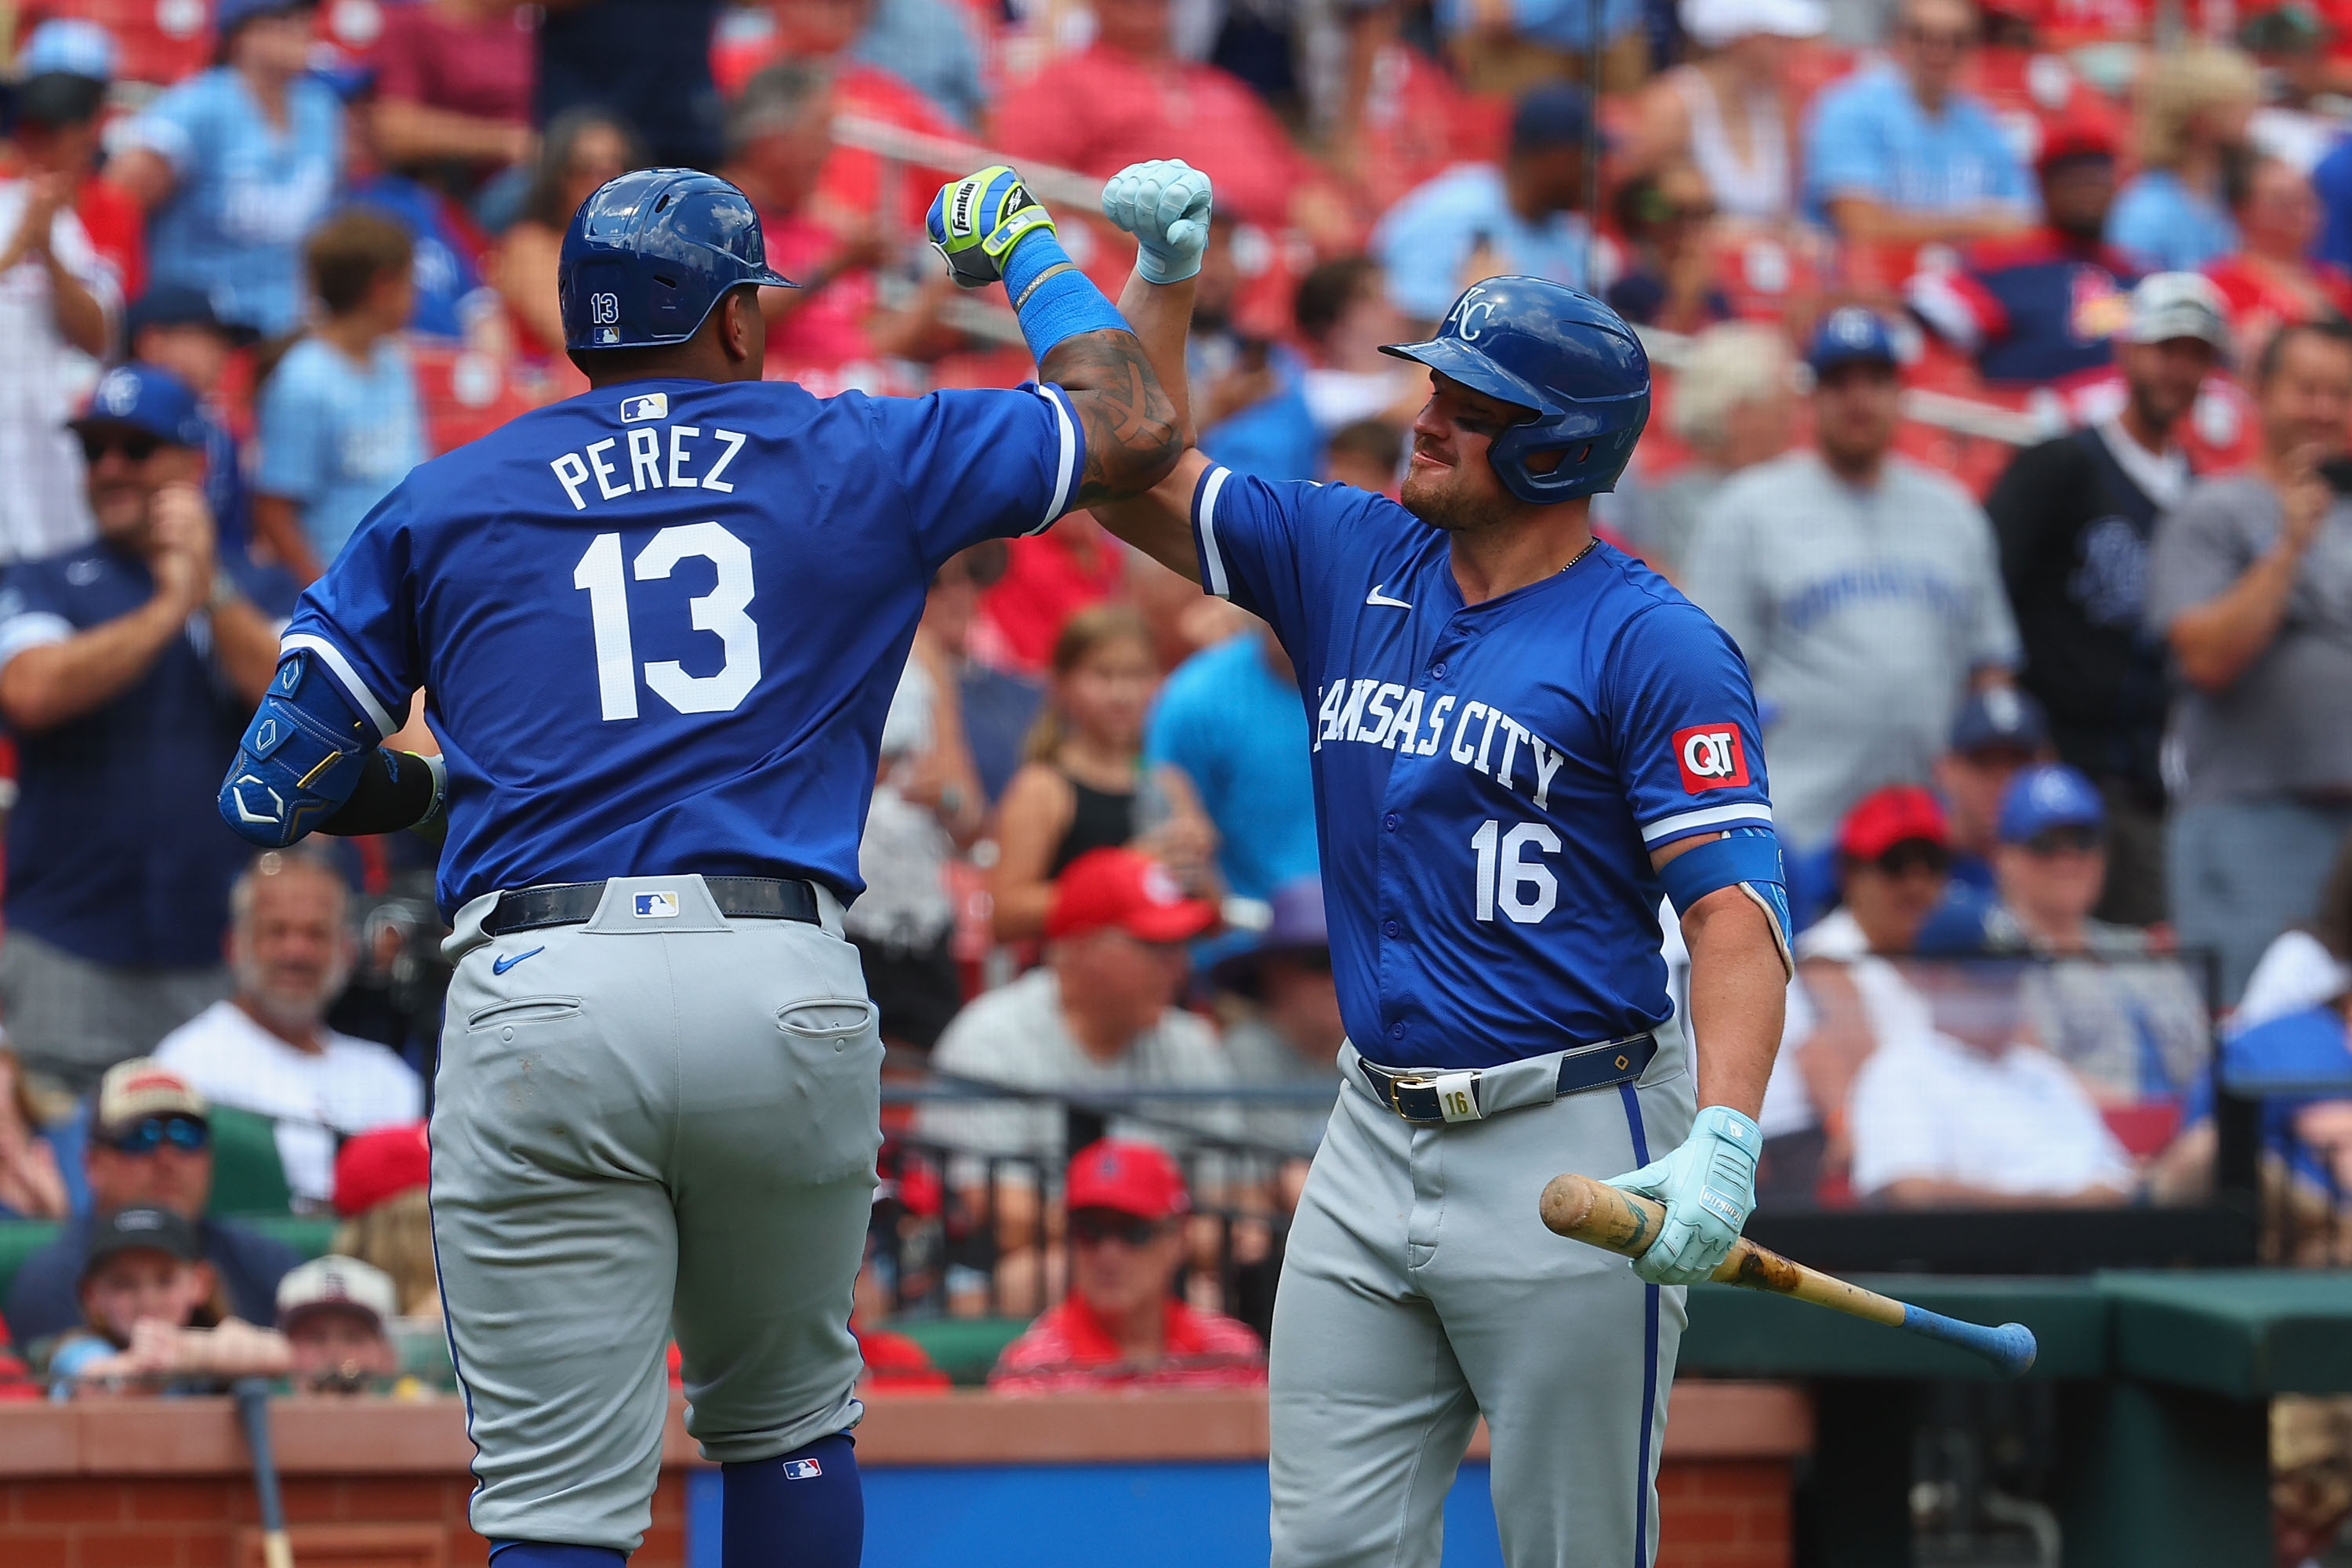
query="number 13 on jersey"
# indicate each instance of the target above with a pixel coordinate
(722, 612)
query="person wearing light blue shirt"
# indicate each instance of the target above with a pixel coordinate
(236, 164)
(1230, 719)
(1895, 152)
(2195, 104)
(1521, 213)
(1563, 24)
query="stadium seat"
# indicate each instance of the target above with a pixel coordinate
(249, 1177)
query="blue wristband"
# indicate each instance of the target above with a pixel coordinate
(1054, 300)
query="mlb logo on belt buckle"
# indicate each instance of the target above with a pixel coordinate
(656, 905)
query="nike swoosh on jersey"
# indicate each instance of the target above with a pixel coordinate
(501, 963)
(1377, 597)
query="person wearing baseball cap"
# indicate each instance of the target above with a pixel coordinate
(1121, 1325)
(1998, 732)
(1893, 864)
(2076, 515)
(332, 1311)
(1290, 1032)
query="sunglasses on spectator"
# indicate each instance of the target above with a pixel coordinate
(1939, 37)
(1092, 1227)
(136, 445)
(1914, 855)
(2069, 838)
(185, 1133)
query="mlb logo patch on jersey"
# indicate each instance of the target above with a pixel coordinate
(1710, 757)
(803, 1469)
(649, 406)
(656, 905)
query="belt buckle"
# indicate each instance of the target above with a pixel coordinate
(1399, 1084)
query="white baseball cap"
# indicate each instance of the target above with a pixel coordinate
(1715, 23)
(337, 1281)
(2167, 305)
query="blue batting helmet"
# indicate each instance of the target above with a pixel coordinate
(1564, 356)
(651, 252)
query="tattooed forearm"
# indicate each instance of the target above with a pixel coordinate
(1133, 438)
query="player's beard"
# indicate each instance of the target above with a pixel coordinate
(1440, 499)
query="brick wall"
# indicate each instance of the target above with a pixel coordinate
(1724, 1513)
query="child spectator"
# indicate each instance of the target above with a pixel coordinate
(174, 328)
(2194, 107)
(584, 148)
(340, 422)
(1084, 785)
(1121, 1325)
(236, 164)
(153, 1316)
(332, 1311)
(379, 1195)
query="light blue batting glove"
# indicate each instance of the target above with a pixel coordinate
(1708, 1185)
(1165, 204)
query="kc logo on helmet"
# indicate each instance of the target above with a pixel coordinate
(1710, 757)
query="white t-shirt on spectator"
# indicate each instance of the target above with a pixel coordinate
(2296, 971)
(350, 1087)
(1928, 1107)
(44, 509)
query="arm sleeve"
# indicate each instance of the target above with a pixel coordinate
(1956, 309)
(2194, 557)
(175, 128)
(1684, 716)
(979, 465)
(359, 619)
(291, 427)
(31, 615)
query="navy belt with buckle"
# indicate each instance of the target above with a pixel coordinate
(575, 903)
(1414, 1097)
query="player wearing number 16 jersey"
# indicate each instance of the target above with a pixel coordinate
(1522, 740)
(658, 626)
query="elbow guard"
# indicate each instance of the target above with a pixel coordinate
(300, 759)
(1747, 858)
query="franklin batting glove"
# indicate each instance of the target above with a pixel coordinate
(1708, 1185)
(976, 221)
(1165, 204)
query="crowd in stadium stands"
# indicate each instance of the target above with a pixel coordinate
(2003, 417)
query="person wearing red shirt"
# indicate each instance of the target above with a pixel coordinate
(1121, 1326)
(454, 80)
(2272, 281)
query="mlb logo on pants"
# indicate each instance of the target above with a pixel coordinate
(801, 1469)
(656, 905)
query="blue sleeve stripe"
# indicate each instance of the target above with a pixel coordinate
(345, 677)
(1067, 471)
(1204, 532)
(1683, 824)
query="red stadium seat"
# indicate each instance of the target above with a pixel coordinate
(468, 395)
(161, 40)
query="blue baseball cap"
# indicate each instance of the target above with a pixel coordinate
(144, 398)
(1848, 335)
(228, 15)
(1557, 114)
(68, 46)
(2048, 795)
(2000, 716)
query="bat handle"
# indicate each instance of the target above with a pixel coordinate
(253, 1409)
(2011, 1347)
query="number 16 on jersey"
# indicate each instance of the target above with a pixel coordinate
(1512, 877)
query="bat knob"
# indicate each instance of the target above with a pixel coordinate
(2015, 1347)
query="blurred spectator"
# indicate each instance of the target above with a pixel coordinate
(2306, 1121)
(451, 303)
(59, 303)
(291, 946)
(1251, 404)
(1366, 455)
(1128, 96)
(996, 708)
(1897, 152)
(2272, 279)
(1995, 735)
(128, 668)
(452, 91)
(2074, 516)
(1290, 1033)
(174, 328)
(31, 1186)
(1729, 113)
(1734, 407)
(236, 164)
(2250, 580)
(1510, 46)
(1344, 315)
(1893, 862)
(150, 1147)
(924, 49)
(1084, 785)
(1668, 281)
(1523, 215)
(339, 421)
(65, 113)
(1048, 578)
(2040, 307)
(1861, 587)
(2292, 46)
(645, 62)
(1969, 1115)
(380, 1181)
(2309, 962)
(139, 1264)
(332, 1310)
(2193, 108)
(584, 148)
(1121, 1325)
(1231, 720)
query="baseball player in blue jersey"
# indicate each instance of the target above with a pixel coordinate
(1522, 739)
(659, 625)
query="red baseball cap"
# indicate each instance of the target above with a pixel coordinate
(1137, 1179)
(1885, 818)
(381, 1165)
(2075, 138)
(1107, 888)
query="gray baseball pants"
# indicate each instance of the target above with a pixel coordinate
(1420, 1291)
(648, 1124)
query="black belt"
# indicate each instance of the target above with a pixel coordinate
(575, 903)
(1413, 1096)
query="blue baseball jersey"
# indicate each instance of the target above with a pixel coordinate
(1490, 779)
(659, 625)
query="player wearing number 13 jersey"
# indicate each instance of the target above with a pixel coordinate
(658, 626)
(1522, 740)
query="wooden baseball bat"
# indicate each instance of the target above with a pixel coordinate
(253, 1409)
(1625, 1223)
